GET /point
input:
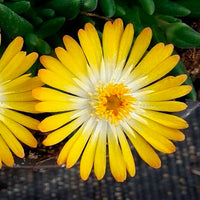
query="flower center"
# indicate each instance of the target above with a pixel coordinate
(113, 102)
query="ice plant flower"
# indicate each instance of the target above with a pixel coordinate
(15, 95)
(109, 94)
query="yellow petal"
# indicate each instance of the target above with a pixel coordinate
(168, 94)
(91, 46)
(70, 62)
(5, 153)
(9, 85)
(9, 71)
(29, 85)
(48, 94)
(75, 50)
(19, 65)
(55, 106)
(167, 106)
(11, 141)
(148, 63)
(21, 118)
(21, 133)
(80, 143)
(22, 84)
(144, 150)
(56, 121)
(170, 133)
(127, 154)
(116, 160)
(62, 158)
(165, 83)
(0, 163)
(111, 40)
(26, 106)
(52, 79)
(25, 65)
(13, 48)
(23, 96)
(164, 119)
(56, 66)
(139, 47)
(162, 69)
(124, 47)
(100, 154)
(60, 134)
(156, 140)
(87, 158)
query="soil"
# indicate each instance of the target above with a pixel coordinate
(191, 59)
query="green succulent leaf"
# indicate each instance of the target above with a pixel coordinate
(172, 8)
(13, 24)
(148, 6)
(108, 7)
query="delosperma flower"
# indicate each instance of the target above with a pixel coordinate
(110, 93)
(15, 95)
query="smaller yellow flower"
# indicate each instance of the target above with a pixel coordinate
(110, 94)
(15, 95)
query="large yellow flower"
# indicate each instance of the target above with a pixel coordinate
(106, 95)
(15, 95)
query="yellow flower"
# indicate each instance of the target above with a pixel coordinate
(15, 95)
(109, 96)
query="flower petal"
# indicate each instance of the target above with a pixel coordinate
(87, 159)
(55, 66)
(156, 140)
(165, 83)
(147, 64)
(75, 50)
(67, 59)
(170, 133)
(9, 70)
(11, 141)
(21, 133)
(5, 154)
(13, 48)
(22, 84)
(127, 154)
(124, 47)
(60, 134)
(52, 79)
(55, 106)
(91, 45)
(22, 119)
(111, 40)
(62, 158)
(56, 121)
(139, 47)
(164, 119)
(23, 96)
(162, 69)
(115, 157)
(80, 143)
(144, 150)
(100, 154)
(168, 94)
(167, 106)
(26, 106)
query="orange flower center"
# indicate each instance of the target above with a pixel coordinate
(113, 102)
